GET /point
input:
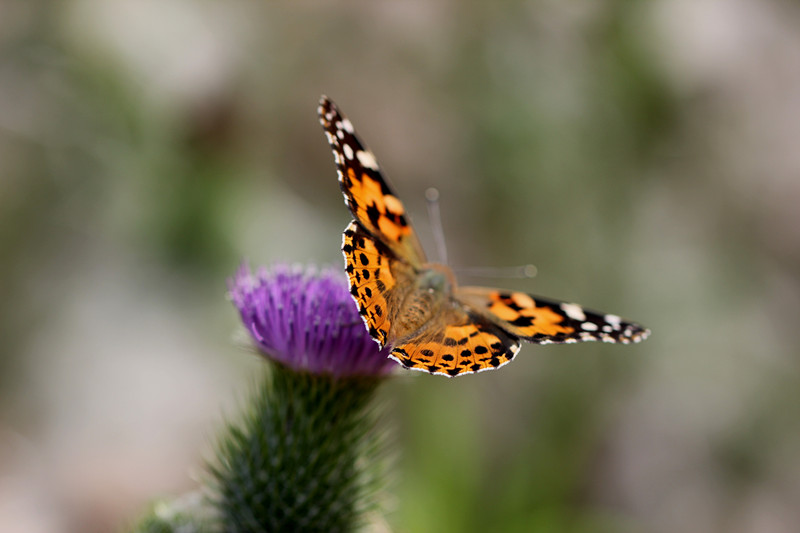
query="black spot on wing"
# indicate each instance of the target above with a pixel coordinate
(373, 214)
(522, 321)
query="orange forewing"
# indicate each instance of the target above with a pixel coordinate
(367, 194)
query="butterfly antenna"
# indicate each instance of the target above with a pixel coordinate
(517, 272)
(435, 216)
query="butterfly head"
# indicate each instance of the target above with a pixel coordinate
(436, 278)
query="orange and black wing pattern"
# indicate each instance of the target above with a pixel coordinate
(457, 342)
(379, 283)
(366, 192)
(545, 321)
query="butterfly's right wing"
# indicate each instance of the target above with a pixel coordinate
(366, 192)
(545, 321)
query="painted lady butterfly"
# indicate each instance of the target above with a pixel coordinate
(416, 307)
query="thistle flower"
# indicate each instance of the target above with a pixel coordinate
(304, 456)
(306, 320)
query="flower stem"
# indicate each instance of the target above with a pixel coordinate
(303, 457)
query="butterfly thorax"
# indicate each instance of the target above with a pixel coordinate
(432, 290)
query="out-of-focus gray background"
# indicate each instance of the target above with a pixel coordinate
(644, 155)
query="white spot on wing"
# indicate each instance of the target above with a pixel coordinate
(367, 160)
(614, 320)
(348, 127)
(348, 151)
(589, 326)
(574, 311)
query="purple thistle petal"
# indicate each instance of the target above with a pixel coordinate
(306, 319)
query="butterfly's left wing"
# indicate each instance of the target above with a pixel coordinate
(366, 192)
(379, 283)
(544, 321)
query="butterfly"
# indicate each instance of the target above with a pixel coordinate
(430, 322)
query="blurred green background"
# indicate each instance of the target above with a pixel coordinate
(642, 154)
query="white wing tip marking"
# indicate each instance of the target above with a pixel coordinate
(574, 311)
(614, 320)
(367, 159)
